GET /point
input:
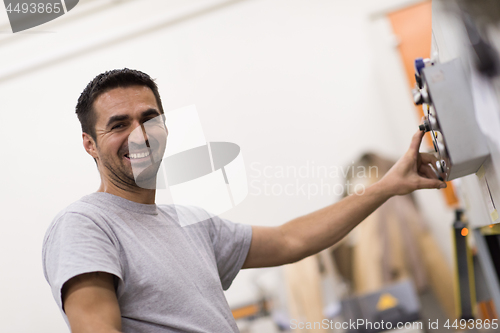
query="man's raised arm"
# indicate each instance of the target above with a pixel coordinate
(309, 234)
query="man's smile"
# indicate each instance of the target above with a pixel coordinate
(137, 155)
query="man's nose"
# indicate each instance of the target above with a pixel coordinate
(139, 135)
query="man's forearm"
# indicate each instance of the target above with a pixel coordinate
(309, 234)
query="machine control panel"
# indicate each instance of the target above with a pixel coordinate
(443, 91)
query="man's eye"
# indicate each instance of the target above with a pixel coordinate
(118, 126)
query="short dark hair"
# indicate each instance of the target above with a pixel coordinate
(116, 78)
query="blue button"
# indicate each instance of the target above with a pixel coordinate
(419, 64)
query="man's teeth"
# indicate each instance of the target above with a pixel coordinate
(139, 155)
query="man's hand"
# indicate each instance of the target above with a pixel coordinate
(412, 171)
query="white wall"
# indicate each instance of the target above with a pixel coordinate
(290, 81)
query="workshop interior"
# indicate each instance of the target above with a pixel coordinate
(321, 98)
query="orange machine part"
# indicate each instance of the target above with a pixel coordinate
(246, 311)
(413, 27)
(487, 309)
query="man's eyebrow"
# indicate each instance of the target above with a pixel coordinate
(150, 112)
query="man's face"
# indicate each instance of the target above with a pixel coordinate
(130, 136)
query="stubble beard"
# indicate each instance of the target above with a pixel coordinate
(120, 176)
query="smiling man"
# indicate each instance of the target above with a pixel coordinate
(117, 262)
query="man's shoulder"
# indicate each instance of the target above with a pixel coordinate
(84, 206)
(81, 210)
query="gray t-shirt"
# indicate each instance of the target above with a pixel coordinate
(170, 278)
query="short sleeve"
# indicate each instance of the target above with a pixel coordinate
(231, 242)
(73, 245)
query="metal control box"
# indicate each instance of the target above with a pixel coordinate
(446, 95)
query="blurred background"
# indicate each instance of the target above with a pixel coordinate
(299, 85)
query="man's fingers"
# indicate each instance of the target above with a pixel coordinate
(427, 171)
(427, 158)
(430, 183)
(416, 141)
(431, 159)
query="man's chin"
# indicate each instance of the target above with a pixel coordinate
(146, 177)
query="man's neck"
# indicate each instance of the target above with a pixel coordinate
(140, 195)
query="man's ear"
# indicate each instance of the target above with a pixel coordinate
(89, 145)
